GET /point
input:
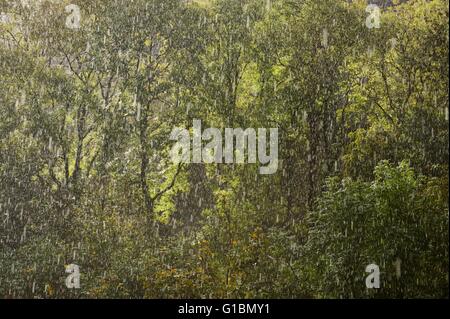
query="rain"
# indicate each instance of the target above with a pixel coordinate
(93, 204)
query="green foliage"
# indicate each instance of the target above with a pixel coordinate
(86, 177)
(395, 217)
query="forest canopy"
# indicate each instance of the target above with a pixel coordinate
(90, 91)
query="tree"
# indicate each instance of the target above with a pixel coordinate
(397, 217)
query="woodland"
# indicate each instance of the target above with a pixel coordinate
(90, 91)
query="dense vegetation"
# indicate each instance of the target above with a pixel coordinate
(86, 177)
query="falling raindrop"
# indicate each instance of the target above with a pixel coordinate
(325, 38)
